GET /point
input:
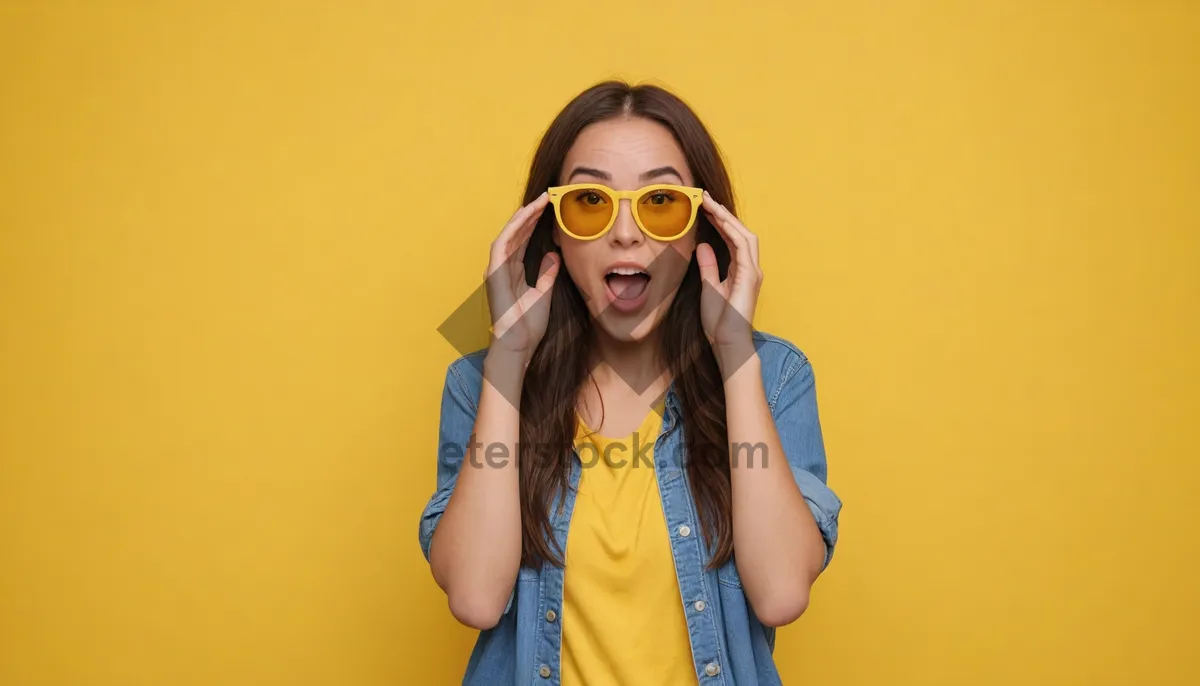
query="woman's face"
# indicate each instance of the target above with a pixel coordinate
(625, 154)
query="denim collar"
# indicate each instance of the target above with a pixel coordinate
(672, 408)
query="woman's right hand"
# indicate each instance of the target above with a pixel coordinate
(519, 313)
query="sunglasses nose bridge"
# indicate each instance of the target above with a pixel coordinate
(624, 224)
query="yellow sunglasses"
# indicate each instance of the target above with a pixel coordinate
(587, 211)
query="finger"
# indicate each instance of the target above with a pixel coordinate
(519, 234)
(504, 278)
(533, 207)
(750, 236)
(522, 236)
(511, 255)
(738, 245)
(735, 225)
(533, 301)
(515, 225)
(710, 277)
(547, 272)
(707, 259)
(751, 239)
(522, 239)
(745, 267)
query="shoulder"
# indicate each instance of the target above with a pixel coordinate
(779, 354)
(464, 378)
(782, 361)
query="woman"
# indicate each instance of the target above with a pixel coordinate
(665, 506)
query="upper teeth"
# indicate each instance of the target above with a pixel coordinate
(624, 271)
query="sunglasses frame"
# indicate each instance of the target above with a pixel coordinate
(695, 195)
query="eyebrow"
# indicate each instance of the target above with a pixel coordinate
(590, 172)
(662, 171)
(600, 174)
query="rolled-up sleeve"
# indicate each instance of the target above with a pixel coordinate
(460, 402)
(454, 433)
(799, 427)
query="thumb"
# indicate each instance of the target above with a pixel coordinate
(707, 260)
(547, 271)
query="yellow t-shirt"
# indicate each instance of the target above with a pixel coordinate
(622, 616)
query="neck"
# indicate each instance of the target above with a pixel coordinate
(637, 364)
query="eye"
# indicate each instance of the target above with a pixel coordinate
(590, 198)
(660, 197)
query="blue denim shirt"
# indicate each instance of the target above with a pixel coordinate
(730, 647)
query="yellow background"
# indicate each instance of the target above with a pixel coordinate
(230, 232)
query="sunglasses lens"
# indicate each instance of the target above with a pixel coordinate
(585, 212)
(664, 212)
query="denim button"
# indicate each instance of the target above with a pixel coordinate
(544, 671)
(685, 531)
(699, 606)
(550, 615)
(712, 669)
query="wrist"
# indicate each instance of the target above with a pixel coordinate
(746, 376)
(504, 370)
(509, 358)
(732, 358)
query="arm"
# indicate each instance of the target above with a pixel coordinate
(472, 526)
(784, 516)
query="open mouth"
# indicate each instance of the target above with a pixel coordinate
(627, 284)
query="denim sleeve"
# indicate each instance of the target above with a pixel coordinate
(799, 426)
(460, 398)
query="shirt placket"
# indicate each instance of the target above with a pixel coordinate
(547, 662)
(688, 550)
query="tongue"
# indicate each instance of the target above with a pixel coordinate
(627, 287)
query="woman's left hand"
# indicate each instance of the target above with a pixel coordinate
(727, 307)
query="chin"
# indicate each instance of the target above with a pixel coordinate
(631, 327)
(621, 333)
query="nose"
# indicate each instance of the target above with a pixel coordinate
(625, 232)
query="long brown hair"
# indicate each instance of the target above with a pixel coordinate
(559, 366)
